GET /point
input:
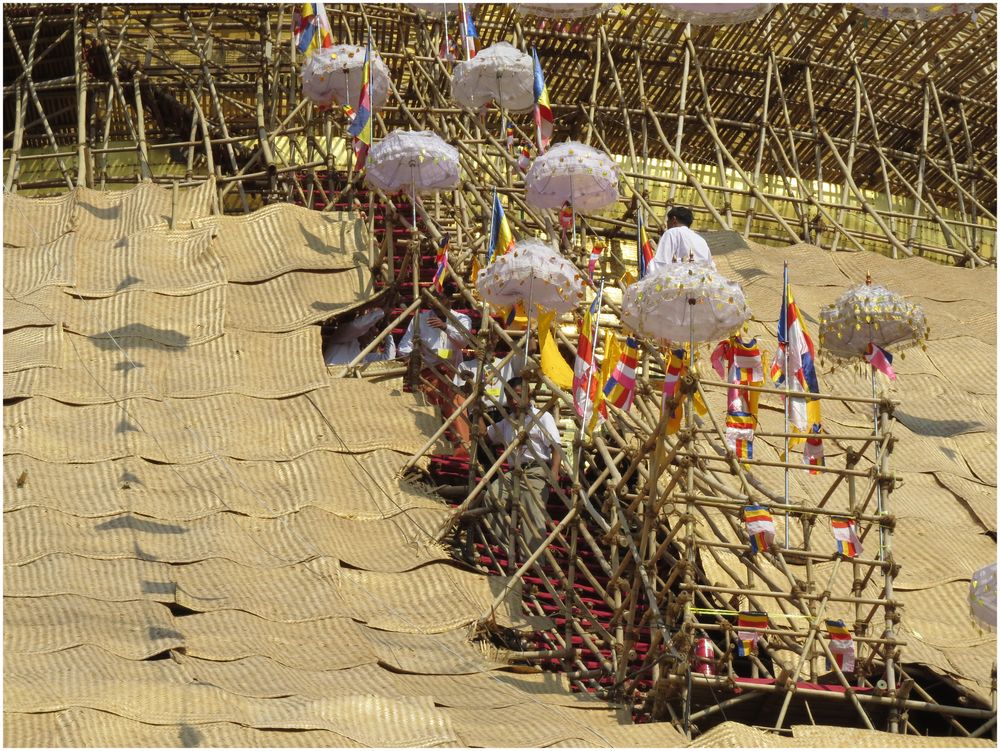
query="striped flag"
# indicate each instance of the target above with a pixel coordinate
(620, 387)
(812, 452)
(881, 360)
(311, 28)
(442, 264)
(584, 372)
(501, 238)
(509, 129)
(846, 534)
(595, 256)
(674, 370)
(760, 528)
(469, 35)
(739, 434)
(643, 244)
(543, 110)
(361, 126)
(611, 354)
(746, 641)
(796, 361)
(841, 645)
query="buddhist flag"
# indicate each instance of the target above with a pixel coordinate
(361, 126)
(509, 129)
(611, 353)
(760, 528)
(643, 244)
(619, 389)
(841, 645)
(584, 372)
(739, 434)
(442, 264)
(554, 365)
(739, 363)
(543, 110)
(676, 368)
(501, 239)
(746, 641)
(469, 35)
(311, 28)
(880, 360)
(795, 361)
(812, 452)
(846, 535)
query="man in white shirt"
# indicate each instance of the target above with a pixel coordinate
(496, 375)
(345, 343)
(680, 243)
(538, 454)
(439, 338)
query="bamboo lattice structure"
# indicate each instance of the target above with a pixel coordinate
(812, 124)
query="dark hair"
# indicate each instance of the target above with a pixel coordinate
(682, 214)
(515, 382)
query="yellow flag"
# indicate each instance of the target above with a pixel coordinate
(553, 363)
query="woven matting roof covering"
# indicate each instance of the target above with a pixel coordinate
(220, 500)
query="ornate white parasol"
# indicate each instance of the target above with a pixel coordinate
(334, 76)
(573, 173)
(417, 160)
(713, 14)
(685, 302)
(869, 314)
(532, 273)
(500, 72)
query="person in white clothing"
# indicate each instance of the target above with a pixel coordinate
(439, 338)
(680, 243)
(350, 337)
(538, 454)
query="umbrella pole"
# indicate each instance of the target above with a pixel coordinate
(878, 485)
(527, 319)
(689, 524)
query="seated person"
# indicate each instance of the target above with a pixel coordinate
(680, 243)
(350, 337)
(538, 453)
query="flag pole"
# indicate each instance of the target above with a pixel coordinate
(784, 366)
(590, 377)
(447, 46)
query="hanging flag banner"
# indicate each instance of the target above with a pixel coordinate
(795, 361)
(676, 367)
(311, 28)
(469, 35)
(881, 360)
(543, 110)
(442, 264)
(501, 238)
(812, 452)
(739, 434)
(619, 389)
(841, 645)
(746, 641)
(846, 535)
(760, 528)
(361, 125)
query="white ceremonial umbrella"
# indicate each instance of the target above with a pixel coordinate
(417, 160)
(334, 76)
(712, 14)
(914, 11)
(685, 302)
(865, 315)
(561, 10)
(572, 172)
(983, 596)
(532, 273)
(499, 72)
(869, 314)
